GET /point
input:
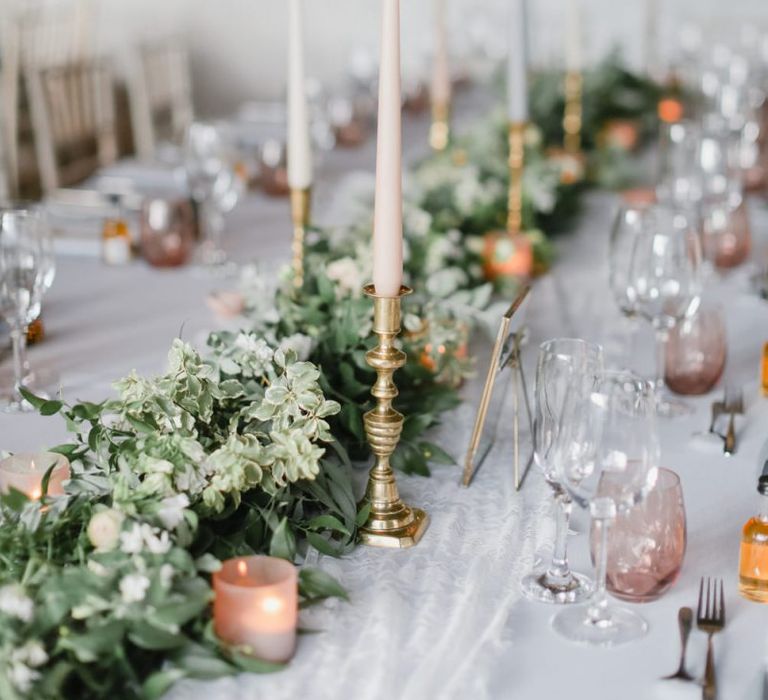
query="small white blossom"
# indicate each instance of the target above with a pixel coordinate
(255, 346)
(104, 529)
(22, 677)
(300, 344)
(133, 588)
(166, 575)
(346, 273)
(171, 510)
(157, 544)
(32, 654)
(14, 602)
(132, 541)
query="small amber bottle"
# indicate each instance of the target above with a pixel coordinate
(116, 236)
(753, 562)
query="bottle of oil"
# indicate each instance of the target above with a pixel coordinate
(753, 562)
(116, 236)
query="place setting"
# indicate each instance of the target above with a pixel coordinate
(375, 350)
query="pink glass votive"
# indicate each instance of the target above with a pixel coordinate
(727, 238)
(646, 543)
(696, 352)
(25, 472)
(256, 605)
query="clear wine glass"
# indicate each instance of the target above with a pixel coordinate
(562, 362)
(632, 222)
(607, 436)
(211, 180)
(679, 177)
(664, 285)
(20, 288)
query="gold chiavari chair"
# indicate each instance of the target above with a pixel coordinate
(73, 115)
(160, 95)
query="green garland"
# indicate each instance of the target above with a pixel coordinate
(245, 449)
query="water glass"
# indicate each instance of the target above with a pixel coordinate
(726, 235)
(646, 543)
(696, 352)
(21, 287)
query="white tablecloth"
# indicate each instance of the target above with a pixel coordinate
(446, 619)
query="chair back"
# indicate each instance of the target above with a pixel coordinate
(73, 115)
(160, 95)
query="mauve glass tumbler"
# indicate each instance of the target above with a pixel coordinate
(646, 545)
(696, 351)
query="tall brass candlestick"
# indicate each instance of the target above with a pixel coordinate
(300, 215)
(390, 522)
(440, 131)
(573, 112)
(516, 162)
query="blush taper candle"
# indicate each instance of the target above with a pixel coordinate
(388, 215)
(299, 143)
(441, 73)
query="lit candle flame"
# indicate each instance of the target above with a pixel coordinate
(272, 605)
(242, 568)
(36, 493)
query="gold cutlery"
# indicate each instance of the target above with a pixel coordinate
(684, 620)
(734, 405)
(710, 618)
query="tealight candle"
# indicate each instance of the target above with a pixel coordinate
(256, 605)
(25, 472)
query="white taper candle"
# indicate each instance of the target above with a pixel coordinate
(388, 210)
(573, 39)
(517, 63)
(299, 143)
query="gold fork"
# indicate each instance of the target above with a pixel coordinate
(710, 618)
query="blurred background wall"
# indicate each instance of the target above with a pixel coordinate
(238, 46)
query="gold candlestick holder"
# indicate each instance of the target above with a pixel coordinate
(301, 200)
(390, 523)
(440, 131)
(572, 120)
(516, 163)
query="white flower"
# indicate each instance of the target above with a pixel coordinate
(417, 221)
(104, 529)
(166, 575)
(14, 602)
(133, 588)
(171, 510)
(22, 677)
(32, 653)
(346, 273)
(254, 345)
(157, 544)
(132, 541)
(300, 344)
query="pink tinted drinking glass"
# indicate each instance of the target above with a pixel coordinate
(696, 351)
(646, 545)
(726, 234)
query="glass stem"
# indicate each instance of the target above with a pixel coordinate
(19, 343)
(661, 359)
(214, 224)
(597, 612)
(559, 568)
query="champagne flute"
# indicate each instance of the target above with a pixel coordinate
(20, 284)
(607, 438)
(562, 363)
(663, 283)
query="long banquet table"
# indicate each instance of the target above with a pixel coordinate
(446, 619)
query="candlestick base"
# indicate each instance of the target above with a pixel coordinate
(390, 523)
(301, 200)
